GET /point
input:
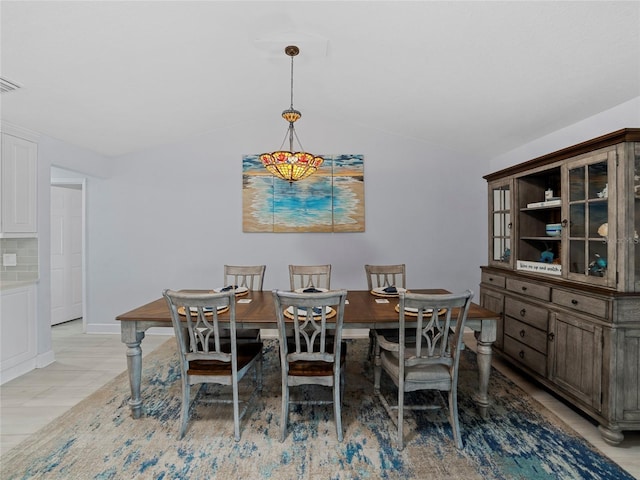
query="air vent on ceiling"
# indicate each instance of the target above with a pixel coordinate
(7, 85)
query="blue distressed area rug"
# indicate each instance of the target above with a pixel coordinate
(98, 439)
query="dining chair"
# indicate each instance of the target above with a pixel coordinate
(307, 276)
(431, 362)
(308, 354)
(250, 277)
(383, 276)
(208, 357)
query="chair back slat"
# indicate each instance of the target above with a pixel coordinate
(307, 276)
(386, 276)
(435, 339)
(309, 334)
(200, 322)
(249, 276)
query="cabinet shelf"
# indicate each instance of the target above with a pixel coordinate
(542, 239)
(533, 209)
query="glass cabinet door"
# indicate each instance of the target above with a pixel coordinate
(501, 226)
(590, 245)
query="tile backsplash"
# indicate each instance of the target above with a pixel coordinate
(26, 250)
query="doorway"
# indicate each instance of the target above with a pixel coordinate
(67, 251)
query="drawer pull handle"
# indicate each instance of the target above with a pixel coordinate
(551, 336)
(574, 302)
(491, 279)
(523, 312)
(522, 333)
(524, 289)
(521, 354)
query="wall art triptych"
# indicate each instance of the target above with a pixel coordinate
(330, 200)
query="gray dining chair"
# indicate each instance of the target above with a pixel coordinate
(432, 361)
(307, 276)
(383, 276)
(250, 277)
(308, 354)
(208, 357)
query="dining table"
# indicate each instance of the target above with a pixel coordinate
(257, 310)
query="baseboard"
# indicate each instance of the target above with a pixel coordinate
(17, 370)
(45, 359)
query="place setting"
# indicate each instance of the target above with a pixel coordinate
(239, 291)
(388, 292)
(289, 312)
(208, 311)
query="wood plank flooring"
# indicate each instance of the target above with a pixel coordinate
(33, 400)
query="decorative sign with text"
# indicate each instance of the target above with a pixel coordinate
(539, 267)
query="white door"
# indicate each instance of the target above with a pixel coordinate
(66, 253)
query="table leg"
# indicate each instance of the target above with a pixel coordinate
(485, 338)
(132, 339)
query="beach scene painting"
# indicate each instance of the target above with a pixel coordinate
(330, 200)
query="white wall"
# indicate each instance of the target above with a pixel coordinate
(172, 217)
(625, 115)
(424, 206)
(53, 152)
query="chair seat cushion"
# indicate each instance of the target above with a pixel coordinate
(246, 353)
(436, 373)
(393, 334)
(306, 368)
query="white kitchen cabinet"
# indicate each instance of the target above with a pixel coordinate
(18, 352)
(18, 187)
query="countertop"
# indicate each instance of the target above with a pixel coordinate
(4, 285)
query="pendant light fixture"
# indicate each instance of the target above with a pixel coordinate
(287, 164)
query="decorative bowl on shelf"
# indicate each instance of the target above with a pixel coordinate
(554, 229)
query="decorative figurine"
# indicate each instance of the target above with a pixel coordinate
(603, 230)
(546, 256)
(506, 255)
(605, 191)
(598, 266)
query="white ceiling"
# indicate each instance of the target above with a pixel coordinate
(477, 77)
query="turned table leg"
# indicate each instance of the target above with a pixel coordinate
(485, 338)
(132, 339)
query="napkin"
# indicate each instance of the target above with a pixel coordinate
(316, 310)
(312, 290)
(390, 289)
(229, 287)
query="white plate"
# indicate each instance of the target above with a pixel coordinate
(302, 311)
(381, 291)
(302, 290)
(237, 290)
(415, 310)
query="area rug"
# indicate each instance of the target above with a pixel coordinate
(98, 438)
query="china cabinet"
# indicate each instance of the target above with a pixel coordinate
(18, 184)
(564, 272)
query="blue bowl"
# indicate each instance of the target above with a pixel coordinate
(554, 229)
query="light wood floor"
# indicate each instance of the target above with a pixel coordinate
(33, 400)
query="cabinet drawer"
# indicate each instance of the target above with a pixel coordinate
(532, 289)
(526, 334)
(536, 361)
(493, 279)
(526, 312)
(582, 303)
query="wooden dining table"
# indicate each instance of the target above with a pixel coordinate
(257, 310)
